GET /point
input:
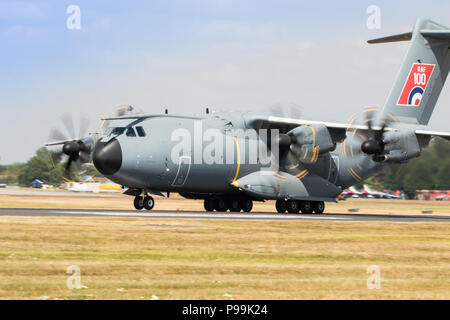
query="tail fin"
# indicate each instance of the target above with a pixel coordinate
(422, 74)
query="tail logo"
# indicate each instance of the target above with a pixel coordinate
(415, 84)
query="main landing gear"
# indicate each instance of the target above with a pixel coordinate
(146, 202)
(222, 205)
(295, 206)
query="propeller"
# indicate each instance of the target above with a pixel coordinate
(375, 140)
(76, 149)
(374, 145)
(287, 157)
(297, 143)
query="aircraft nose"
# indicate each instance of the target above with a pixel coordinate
(107, 156)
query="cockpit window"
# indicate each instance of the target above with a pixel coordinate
(140, 131)
(130, 132)
(117, 131)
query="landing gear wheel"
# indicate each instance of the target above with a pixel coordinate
(139, 203)
(247, 205)
(319, 207)
(306, 207)
(235, 206)
(221, 205)
(281, 206)
(209, 204)
(149, 203)
(293, 206)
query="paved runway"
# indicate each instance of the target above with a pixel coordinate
(205, 215)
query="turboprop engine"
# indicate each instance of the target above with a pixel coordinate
(399, 147)
(307, 142)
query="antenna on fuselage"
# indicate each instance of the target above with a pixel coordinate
(166, 111)
(207, 110)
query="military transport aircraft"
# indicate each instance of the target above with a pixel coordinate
(299, 163)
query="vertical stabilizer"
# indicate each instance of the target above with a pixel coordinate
(423, 72)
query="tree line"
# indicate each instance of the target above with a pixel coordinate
(430, 171)
(47, 166)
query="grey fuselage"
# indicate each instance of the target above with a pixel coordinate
(147, 163)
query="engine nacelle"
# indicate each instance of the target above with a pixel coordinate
(400, 146)
(308, 142)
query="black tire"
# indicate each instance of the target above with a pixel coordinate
(306, 207)
(139, 203)
(149, 203)
(209, 205)
(281, 206)
(319, 207)
(247, 205)
(293, 206)
(221, 205)
(235, 206)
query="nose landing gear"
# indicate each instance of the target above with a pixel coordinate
(146, 202)
(139, 203)
(149, 203)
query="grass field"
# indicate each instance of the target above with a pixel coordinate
(135, 258)
(138, 258)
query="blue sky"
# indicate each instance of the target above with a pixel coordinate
(189, 54)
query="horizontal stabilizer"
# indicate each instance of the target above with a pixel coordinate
(436, 34)
(395, 38)
(428, 33)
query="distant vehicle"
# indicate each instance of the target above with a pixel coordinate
(378, 194)
(79, 187)
(352, 193)
(2, 185)
(36, 183)
(109, 188)
(94, 187)
(440, 196)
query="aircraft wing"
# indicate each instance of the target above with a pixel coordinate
(445, 135)
(336, 129)
(147, 116)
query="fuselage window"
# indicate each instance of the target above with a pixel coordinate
(130, 132)
(140, 131)
(117, 131)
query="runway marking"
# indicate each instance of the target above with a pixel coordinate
(257, 216)
(203, 215)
